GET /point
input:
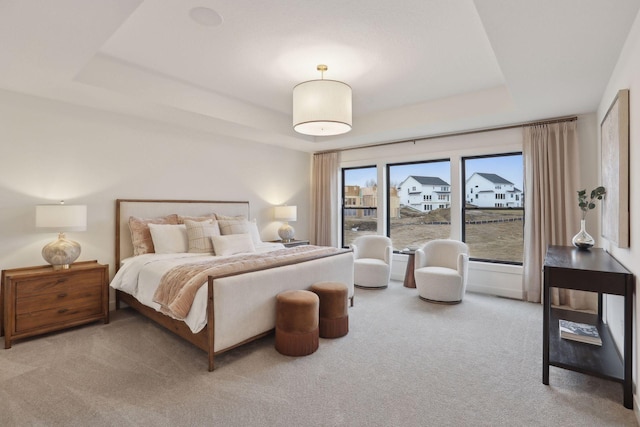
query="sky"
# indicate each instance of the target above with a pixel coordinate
(508, 167)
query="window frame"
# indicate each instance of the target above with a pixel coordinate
(343, 198)
(388, 188)
(463, 189)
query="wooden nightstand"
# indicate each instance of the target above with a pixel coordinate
(292, 243)
(37, 300)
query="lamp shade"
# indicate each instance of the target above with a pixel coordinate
(322, 108)
(286, 213)
(62, 217)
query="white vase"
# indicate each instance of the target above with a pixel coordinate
(583, 240)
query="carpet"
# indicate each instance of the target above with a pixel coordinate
(405, 362)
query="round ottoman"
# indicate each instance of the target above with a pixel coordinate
(297, 323)
(334, 317)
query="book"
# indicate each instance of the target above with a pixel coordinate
(581, 332)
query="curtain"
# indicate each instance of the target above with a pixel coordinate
(552, 217)
(324, 202)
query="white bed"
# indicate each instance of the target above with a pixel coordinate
(240, 306)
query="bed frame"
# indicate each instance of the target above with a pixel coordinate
(125, 208)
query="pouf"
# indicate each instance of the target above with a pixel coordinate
(297, 331)
(334, 316)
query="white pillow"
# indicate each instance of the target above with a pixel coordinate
(199, 234)
(169, 238)
(240, 227)
(232, 244)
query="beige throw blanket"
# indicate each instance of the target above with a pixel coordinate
(178, 286)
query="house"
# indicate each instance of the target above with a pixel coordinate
(489, 190)
(363, 197)
(141, 99)
(425, 193)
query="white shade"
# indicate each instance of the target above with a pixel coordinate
(62, 217)
(286, 213)
(322, 108)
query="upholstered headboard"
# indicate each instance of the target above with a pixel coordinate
(141, 208)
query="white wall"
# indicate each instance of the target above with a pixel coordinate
(495, 279)
(51, 151)
(626, 75)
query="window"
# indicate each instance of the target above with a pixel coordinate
(417, 216)
(494, 230)
(360, 203)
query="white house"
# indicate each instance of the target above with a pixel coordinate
(425, 193)
(488, 190)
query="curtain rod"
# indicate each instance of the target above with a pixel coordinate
(446, 135)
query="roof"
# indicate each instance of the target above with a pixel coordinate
(496, 179)
(428, 180)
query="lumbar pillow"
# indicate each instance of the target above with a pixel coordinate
(169, 238)
(232, 244)
(140, 235)
(199, 234)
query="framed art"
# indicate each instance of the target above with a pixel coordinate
(614, 138)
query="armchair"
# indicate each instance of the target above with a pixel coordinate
(441, 270)
(372, 261)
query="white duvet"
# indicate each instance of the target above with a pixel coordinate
(140, 276)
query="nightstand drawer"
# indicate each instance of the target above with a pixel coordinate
(64, 296)
(62, 315)
(56, 284)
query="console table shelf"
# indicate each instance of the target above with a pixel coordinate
(601, 361)
(594, 271)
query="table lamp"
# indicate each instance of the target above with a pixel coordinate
(286, 214)
(62, 252)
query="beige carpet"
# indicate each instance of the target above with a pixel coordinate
(405, 362)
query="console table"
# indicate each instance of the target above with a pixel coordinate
(595, 271)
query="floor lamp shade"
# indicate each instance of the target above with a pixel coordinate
(322, 108)
(62, 252)
(286, 213)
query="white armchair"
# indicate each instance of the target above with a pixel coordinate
(372, 261)
(441, 270)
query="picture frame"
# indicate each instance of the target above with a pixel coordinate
(614, 139)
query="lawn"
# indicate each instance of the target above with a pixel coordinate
(490, 234)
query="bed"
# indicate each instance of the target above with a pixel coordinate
(234, 305)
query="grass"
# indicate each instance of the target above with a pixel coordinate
(490, 234)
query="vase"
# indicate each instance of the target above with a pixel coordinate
(582, 240)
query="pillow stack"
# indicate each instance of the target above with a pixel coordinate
(207, 234)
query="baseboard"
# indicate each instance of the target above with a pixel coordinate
(497, 291)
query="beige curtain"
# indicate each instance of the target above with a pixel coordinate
(324, 202)
(552, 217)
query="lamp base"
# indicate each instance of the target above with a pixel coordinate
(61, 253)
(286, 232)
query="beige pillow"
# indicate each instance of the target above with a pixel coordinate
(169, 238)
(240, 227)
(140, 234)
(231, 218)
(199, 234)
(207, 217)
(232, 244)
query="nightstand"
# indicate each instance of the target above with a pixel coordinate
(37, 300)
(292, 243)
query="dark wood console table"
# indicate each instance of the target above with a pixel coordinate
(595, 271)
